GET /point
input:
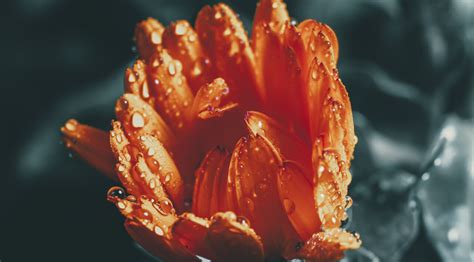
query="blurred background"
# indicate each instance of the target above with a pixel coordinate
(408, 66)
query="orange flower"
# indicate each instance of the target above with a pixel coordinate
(282, 192)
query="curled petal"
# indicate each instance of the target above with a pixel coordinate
(296, 195)
(234, 240)
(183, 44)
(206, 187)
(191, 232)
(290, 146)
(160, 164)
(329, 245)
(149, 222)
(208, 100)
(91, 144)
(225, 42)
(169, 88)
(254, 167)
(148, 37)
(138, 118)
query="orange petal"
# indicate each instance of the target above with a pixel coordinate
(332, 152)
(191, 232)
(138, 118)
(208, 100)
(290, 146)
(296, 195)
(91, 144)
(120, 147)
(234, 240)
(225, 42)
(183, 44)
(148, 37)
(136, 82)
(149, 222)
(311, 28)
(254, 167)
(156, 161)
(224, 238)
(329, 245)
(206, 176)
(169, 88)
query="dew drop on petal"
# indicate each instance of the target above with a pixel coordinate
(116, 192)
(250, 204)
(159, 231)
(156, 38)
(121, 205)
(71, 125)
(145, 90)
(124, 103)
(180, 29)
(138, 121)
(171, 69)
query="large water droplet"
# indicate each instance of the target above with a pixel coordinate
(138, 121)
(155, 38)
(116, 192)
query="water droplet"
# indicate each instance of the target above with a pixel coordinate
(314, 74)
(121, 205)
(150, 151)
(227, 32)
(180, 29)
(348, 202)
(152, 184)
(320, 198)
(243, 220)
(118, 138)
(121, 168)
(145, 91)
(192, 38)
(116, 192)
(217, 15)
(137, 120)
(168, 177)
(156, 38)
(289, 206)
(71, 125)
(143, 214)
(171, 69)
(131, 78)
(159, 231)
(164, 206)
(124, 103)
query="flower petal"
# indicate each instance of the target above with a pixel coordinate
(138, 118)
(206, 175)
(225, 42)
(91, 144)
(329, 245)
(232, 240)
(222, 238)
(296, 195)
(169, 88)
(148, 37)
(208, 100)
(254, 167)
(290, 146)
(326, 44)
(136, 82)
(183, 44)
(156, 160)
(149, 222)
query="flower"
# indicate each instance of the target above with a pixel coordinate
(282, 192)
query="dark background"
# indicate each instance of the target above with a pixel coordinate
(407, 64)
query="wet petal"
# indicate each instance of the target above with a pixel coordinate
(136, 82)
(290, 146)
(148, 37)
(91, 144)
(296, 195)
(120, 147)
(207, 185)
(149, 222)
(234, 240)
(156, 160)
(169, 88)
(254, 168)
(208, 100)
(225, 42)
(191, 232)
(138, 118)
(320, 41)
(329, 245)
(182, 43)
